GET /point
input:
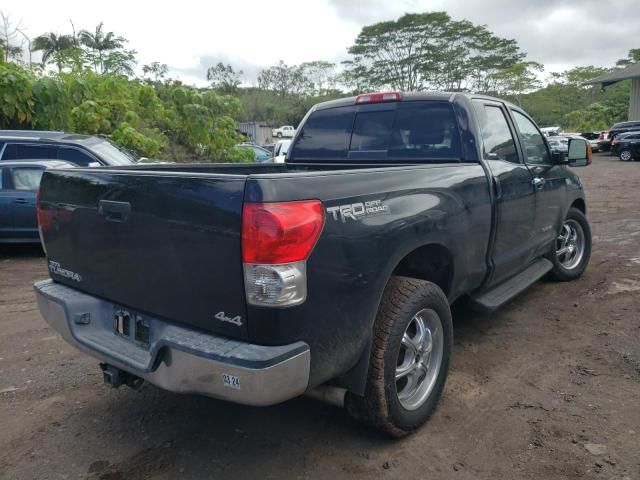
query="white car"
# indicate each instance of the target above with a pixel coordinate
(284, 131)
(280, 151)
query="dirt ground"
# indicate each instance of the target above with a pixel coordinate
(546, 388)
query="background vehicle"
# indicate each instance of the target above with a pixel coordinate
(623, 127)
(605, 141)
(81, 150)
(594, 140)
(559, 144)
(551, 131)
(334, 271)
(284, 131)
(19, 182)
(626, 146)
(261, 155)
(280, 151)
(269, 147)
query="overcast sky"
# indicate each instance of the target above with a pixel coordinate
(190, 36)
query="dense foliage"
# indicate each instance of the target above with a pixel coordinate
(163, 120)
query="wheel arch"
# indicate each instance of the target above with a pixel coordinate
(432, 262)
(580, 204)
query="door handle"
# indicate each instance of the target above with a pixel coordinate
(21, 201)
(538, 182)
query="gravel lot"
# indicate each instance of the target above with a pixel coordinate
(548, 387)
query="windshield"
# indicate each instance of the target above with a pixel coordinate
(111, 154)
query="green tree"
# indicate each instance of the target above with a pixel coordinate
(429, 50)
(224, 77)
(632, 57)
(284, 79)
(320, 74)
(99, 44)
(52, 45)
(16, 96)
(518, 79)
(120, 62)
(155, 71)
(9, 32)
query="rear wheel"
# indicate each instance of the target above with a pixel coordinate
(572, 247)
(279, 134)
(625, 155)
(412, 342)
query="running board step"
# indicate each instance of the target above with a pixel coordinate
(490, 300)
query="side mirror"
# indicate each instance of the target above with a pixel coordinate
(579, 154)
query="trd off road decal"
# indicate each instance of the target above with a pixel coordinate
(358, 211)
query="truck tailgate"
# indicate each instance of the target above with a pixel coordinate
(166, 244)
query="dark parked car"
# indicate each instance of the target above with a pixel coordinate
(19, 182)
(594, 140)
(81, 150)
(260, 154)
(332, 273)
(627, 146)
(623, 127)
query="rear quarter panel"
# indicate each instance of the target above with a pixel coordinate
(353, 259)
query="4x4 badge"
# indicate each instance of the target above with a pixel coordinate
(237, 320)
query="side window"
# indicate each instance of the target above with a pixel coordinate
(27, 178)
(75, 156)
(533, 141)
(498, 143)
(23, 151)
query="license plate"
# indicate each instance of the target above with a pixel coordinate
(231, 381)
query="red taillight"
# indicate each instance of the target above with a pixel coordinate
(44, 218)
(282, 232)
(378, 97)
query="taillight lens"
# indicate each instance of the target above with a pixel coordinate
(45, 218)
(281, 232)
(277, 239)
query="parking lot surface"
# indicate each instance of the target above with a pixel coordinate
(547, 387)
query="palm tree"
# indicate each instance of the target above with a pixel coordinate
(51, 44)
(100, 42)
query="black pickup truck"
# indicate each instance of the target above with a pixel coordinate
(335, 271)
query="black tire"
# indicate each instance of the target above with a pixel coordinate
(562, 272)
(381, 407)
(279, 134)
(625, 155)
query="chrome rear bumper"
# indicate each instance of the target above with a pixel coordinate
(177, 358)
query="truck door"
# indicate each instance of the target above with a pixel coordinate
(549, 181)
(25, 188)
(513, 243)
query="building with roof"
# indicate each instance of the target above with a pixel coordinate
(632, 72)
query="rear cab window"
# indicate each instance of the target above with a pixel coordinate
(394, 132)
